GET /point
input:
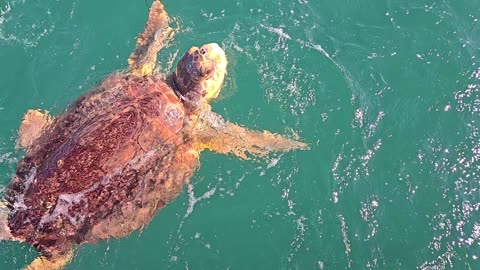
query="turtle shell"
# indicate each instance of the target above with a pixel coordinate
(104, 168)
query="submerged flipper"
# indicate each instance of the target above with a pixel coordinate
(216, 134)
(156, 35)
(4, 230)
(42, 263)
(33, 124)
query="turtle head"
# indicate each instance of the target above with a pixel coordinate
(200, 72)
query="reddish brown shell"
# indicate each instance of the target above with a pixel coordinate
(104, 168)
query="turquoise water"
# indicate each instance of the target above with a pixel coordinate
(385, 92)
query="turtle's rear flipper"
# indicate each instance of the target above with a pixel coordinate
(156, 35)
(33, 124)
(5, 234)
(216, 134)
(42, 263)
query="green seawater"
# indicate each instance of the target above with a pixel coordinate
(386, 93)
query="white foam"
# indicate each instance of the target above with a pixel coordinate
(346, 242)
(359, 117)
(368, 214)
(210, 16)
(282, 37)
(279, 31)
(8, 158)
(30, 177)
(192, 200)
(19, 203)
(297, 242)
(371, 152)
(64, 203)
(273, 162)
(5, 10)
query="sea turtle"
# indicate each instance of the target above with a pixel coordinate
(122, 151)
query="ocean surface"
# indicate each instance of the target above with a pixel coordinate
(386, 93)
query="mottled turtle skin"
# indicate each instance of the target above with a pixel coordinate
(119, 151)
(122, 151)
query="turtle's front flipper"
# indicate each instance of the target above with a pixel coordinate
(215, 134)
(33, 124)
(42, 263)
(156, 35)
